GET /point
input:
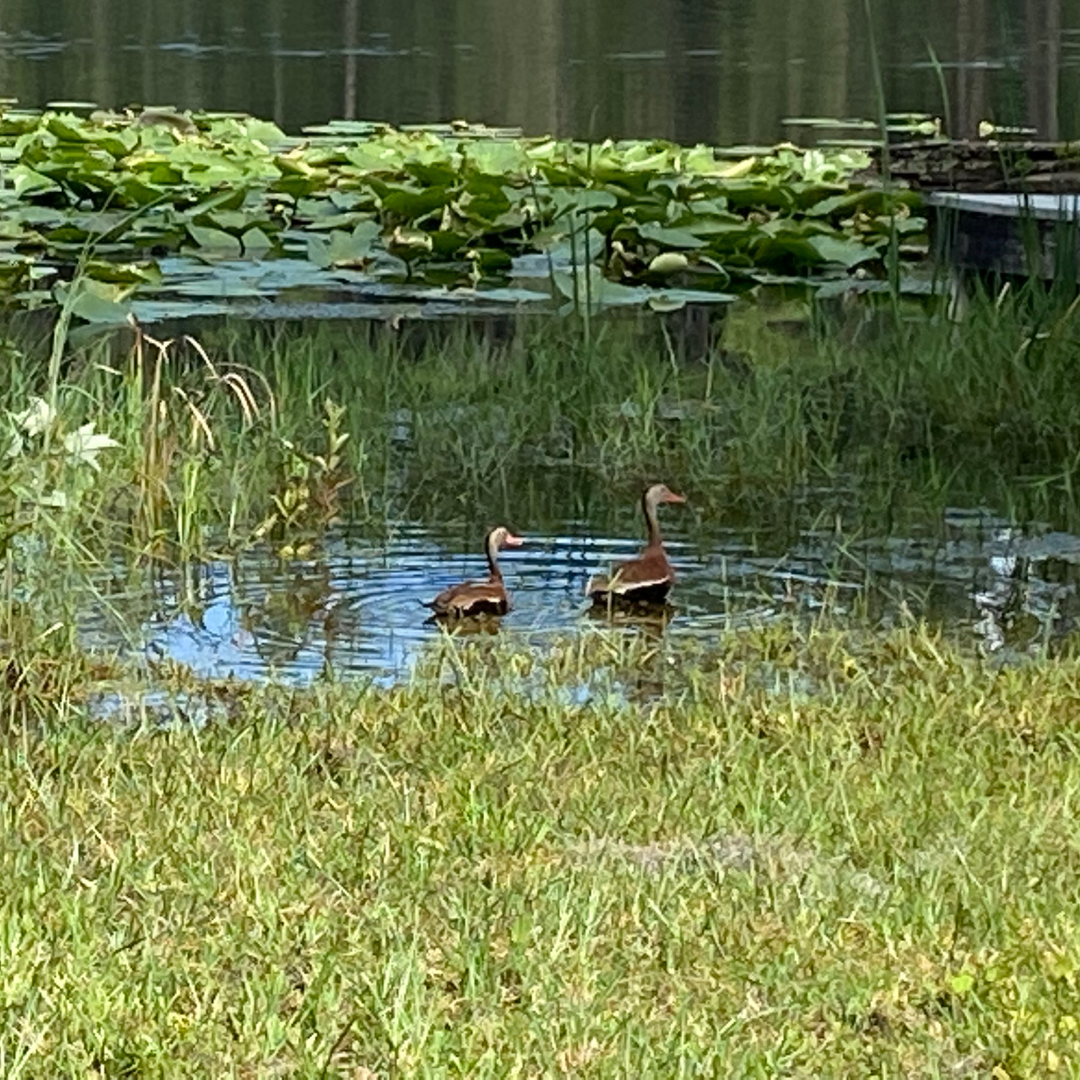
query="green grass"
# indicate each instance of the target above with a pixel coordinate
(876, 878)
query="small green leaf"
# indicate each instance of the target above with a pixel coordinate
(215, 242)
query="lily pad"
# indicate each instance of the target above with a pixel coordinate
(215, 243)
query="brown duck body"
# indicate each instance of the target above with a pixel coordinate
(648, 578)
(472, 598)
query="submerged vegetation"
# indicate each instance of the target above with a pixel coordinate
(143, 205)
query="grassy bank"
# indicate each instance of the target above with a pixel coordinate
(825, 855)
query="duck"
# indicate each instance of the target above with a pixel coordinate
(648, 578)
(471, 598)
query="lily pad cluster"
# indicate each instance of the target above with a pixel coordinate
(460, 208)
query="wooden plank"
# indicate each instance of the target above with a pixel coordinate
(1015, 235)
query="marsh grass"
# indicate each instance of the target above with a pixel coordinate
(878, 877)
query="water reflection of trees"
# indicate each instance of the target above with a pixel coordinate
(715, 70)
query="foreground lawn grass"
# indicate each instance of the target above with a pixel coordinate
(816, 856)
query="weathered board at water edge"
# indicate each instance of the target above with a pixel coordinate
(1012, 234)
(163, 214)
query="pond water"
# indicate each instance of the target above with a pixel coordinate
(354, 610)
(721, 71)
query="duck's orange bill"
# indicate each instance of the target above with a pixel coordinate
(513, 541)
(672, 497)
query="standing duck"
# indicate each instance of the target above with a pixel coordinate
(479, 597)
(648, 578)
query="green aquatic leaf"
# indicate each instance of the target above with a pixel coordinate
(375, 157)
(28, 183)
(669, 237)
(215, 242)
(569, 201)
(94, 301)
(257, 245)
(435, 174)
(146, 273)
(497, 158)
(869, 200)
(234, 221)
(491, 260)
(132, 190)
(413, 203)
(674, 299)
(849, 253)
(342, 248)
(445, 243)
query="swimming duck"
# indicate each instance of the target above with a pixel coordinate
(648, 578)
(479, 597)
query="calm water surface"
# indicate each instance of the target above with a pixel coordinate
(355, 609)
(725, 71)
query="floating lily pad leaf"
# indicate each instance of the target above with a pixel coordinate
(674, 299)
(847, 252)
(569, 201)
(502, 159)
(668, 237)
(903, 226)
(257, 245)
(149, 312)
(436, 174)
(375, 157)
(315, 208)
(212, 204)
(785, 250)
(341, 248)
(703, 161)
(491, 259)
(506, 295)
(445, 243)
(123, 273)
(232, 221)
(869, 200)
(96, 301)
(318, 251)
(354, 128)
(227, 128)
(412, 204)
(598, 290)
(338, 221)
(215, 242)
(806, 195)
(133, 191)
(561, 250)
(709, 207)
(751, 194)
(27, 182)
